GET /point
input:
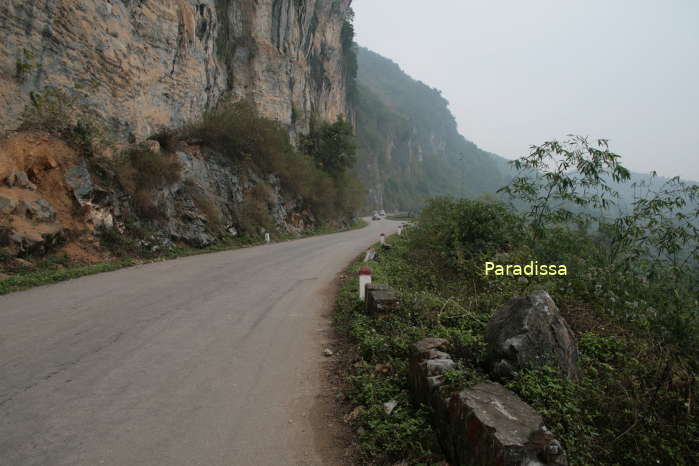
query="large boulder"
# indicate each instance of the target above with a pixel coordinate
(529, 332)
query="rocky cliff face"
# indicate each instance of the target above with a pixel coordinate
(149, 64)
(144, 66)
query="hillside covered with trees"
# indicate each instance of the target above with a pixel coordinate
(410, 148)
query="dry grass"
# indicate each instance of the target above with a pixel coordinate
(142, 173)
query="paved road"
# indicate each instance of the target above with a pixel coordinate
(207, 360)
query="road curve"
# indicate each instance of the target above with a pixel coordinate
(205, 360)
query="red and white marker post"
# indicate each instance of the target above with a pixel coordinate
(364, 280)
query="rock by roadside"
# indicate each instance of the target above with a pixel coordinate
(528, 332)
(483, 425)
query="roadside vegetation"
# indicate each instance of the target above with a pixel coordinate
(317, 172)
(630, 296)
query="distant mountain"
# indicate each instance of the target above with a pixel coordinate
(409, 146)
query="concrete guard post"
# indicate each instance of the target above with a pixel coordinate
(364, 280)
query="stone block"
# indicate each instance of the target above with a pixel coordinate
(483, 425)
(381, 299)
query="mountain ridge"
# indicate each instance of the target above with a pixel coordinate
(410, 148)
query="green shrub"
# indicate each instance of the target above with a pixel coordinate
(25, 65)
(634, 402)
(332, 146)
(236, 130)
(459, 231)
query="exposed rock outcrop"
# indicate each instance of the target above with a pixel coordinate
(71, 200)
(529, 332)
(482, 425)
(151, 64)
(29, 222)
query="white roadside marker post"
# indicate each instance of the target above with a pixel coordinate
(383, 239)
(364, 280)
(267, 238)
(400, 230)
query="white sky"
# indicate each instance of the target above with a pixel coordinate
(519, 72)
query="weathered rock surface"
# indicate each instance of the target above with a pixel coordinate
(489, 424)
(151, 64)
(73, 199)
(34, 208)
(381, 299)
(212, 191)
(530, 332)
(28, 222)
(428, 361)
(80, 182)
(38, 241)
(19, 180)
(483, 425)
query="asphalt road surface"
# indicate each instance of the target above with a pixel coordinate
(206, 360)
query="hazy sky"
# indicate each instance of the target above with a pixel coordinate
(520, 72)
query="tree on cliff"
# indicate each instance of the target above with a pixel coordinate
(332, 146)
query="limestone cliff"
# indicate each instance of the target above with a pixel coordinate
(149, 64)
(143, 66)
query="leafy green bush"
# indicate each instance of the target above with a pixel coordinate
(206, 204)
(331, 146)
(459, 231)
(647, 250)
